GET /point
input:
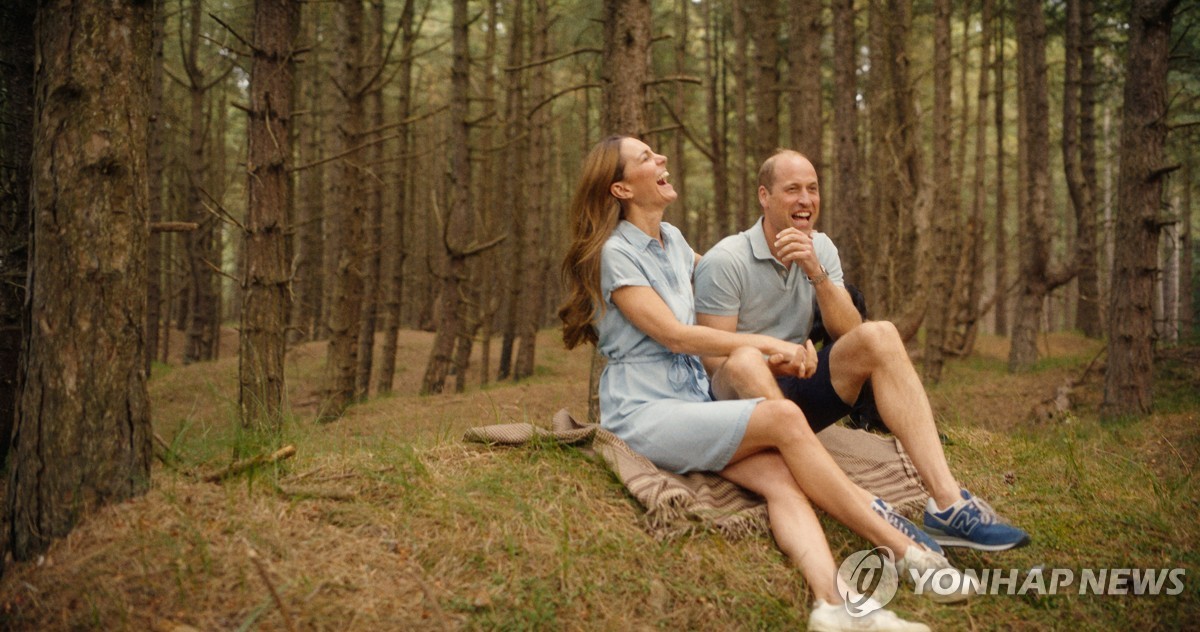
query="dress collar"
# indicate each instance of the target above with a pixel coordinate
(636, 237)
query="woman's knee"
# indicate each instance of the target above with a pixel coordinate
(786, 422)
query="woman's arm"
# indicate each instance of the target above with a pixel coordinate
(645, 309)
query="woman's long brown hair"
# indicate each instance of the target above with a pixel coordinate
(594, 215)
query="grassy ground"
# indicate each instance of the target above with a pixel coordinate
(386, 520)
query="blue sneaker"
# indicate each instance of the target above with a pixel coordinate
(905, 526)
(972, 523)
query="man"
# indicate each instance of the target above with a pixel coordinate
(764, 280)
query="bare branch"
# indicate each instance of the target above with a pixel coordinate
(550, 60)
(561, 93)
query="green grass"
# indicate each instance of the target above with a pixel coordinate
(386, 520)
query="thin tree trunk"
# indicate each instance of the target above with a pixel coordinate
(511, 191)
(764, 27)
(1082, 190)
(265, 292)
(1000, 239)
(373, 116)
(154, 161)
(1039, 274)
(346, 210)
(1129, 378)
(308, 284)
(396, 253)
(539, 144)
(714, 70)
(202, 254)
(16, 147)
(804, 62)
(848, 232)
(456, 229)
(1089, 311)
(946, 229)
(83, 434)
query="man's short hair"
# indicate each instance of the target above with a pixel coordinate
(766, 173)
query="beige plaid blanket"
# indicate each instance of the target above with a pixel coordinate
(677, 504)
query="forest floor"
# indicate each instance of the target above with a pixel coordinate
(387, 520)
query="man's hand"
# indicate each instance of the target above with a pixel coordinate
(802, 363)
(795, 246)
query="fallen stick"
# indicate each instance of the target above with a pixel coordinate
(285, 452)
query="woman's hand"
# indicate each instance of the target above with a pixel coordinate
(799, 360)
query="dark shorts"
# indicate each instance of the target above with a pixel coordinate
(816, 395)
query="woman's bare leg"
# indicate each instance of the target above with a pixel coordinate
(794, 524)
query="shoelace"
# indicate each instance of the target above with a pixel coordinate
(987, 515)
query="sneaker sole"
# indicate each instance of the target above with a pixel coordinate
(949, 540)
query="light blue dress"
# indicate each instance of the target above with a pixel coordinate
(654, 400)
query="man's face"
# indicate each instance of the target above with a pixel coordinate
(794, 199)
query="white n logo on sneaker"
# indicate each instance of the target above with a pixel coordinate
(964, 522)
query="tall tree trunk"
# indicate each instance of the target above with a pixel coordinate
(764, 27)
(83, 434)
(626, 66)
(457, 227)
(804, 64)
(1129, 378)
(265, 291)
(373, 117)
(969, 279)
(715, 113)
(1039, 274)
(154, 175)
(901, 197)
(743, 192)
(1000, 238)
(16, 147)
(946, 229)
(684, 210)
(202, 253)
(511, 191)
(396, 253)
(308, 284)
(1078, 56)
(346, 210)
(535, 234)
(1090, 309)
(848, 179)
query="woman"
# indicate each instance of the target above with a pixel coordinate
(629, 276)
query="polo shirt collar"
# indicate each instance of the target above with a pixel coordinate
(758, 243)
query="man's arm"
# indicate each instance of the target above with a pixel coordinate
(837, 308)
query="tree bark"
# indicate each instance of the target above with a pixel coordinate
(1129, 378)
(767, 57)
(1078, 141)
(16, 147)
(511, 189)
(375, 186)
(346, 209)
(626, 66)
(1000, 239)
(1039, 274)
(83, 435)
(155, 162)
(848, 178)
(456, 230)
(535, 235)
(265, 291)
(804, 64)
(946, 229)
(396, 253)
(308, 282)
(202, 254)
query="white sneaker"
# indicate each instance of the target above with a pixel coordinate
(932, 575)
(827, 617)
